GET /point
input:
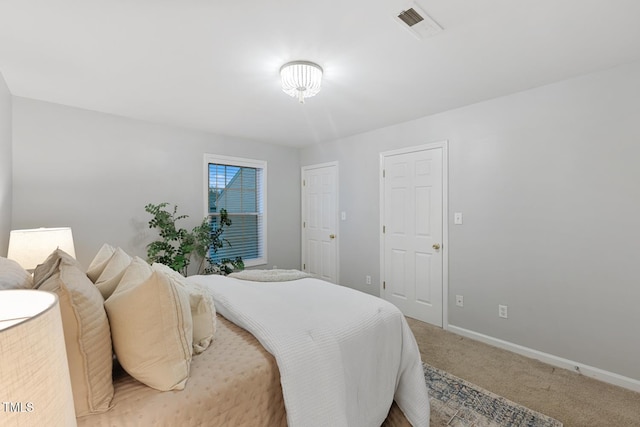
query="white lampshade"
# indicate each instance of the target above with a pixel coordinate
(31, 247)
(301, 79)
(34, 375)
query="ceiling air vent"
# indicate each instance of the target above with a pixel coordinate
(418, 22)
(410, 17)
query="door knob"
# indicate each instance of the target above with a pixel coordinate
(332, 236)
(436, 246)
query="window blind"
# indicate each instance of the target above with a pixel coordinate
(238, 190)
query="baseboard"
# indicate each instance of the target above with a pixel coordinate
(586, 370)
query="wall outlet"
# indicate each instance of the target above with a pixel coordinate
(502, 311)
(368, 280)
(459, 300)
(275, 267)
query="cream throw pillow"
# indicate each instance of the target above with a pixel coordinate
(112, 273)
(100, 261)
(13, 276)
(137, 272)
(203, 310)
(86, 334)
(50, 266)
(152, 331)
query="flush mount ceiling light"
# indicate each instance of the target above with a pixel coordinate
(301, 79)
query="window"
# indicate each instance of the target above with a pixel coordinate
(238, 185)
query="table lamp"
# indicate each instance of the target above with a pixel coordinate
(34, 375)
(31, 247)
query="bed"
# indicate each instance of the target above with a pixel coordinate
(237, 381)
(344, 356)
(297, 353)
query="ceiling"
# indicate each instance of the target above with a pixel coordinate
(213, 65)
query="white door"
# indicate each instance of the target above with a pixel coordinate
(412, 219)
(320, 221)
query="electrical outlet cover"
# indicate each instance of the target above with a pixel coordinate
(503, 311)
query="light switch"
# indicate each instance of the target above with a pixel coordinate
(457, 218)
(343, 215)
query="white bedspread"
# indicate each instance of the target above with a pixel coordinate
(343, 355)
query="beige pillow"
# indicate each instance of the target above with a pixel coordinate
(100, 261)
(151, 330)
(13, 276)
(87, 337)
(203, 310)
(137, 272)
(50, 266)
(112, 273)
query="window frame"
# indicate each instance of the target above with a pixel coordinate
(242, 162)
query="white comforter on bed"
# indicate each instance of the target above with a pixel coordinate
(343, 355)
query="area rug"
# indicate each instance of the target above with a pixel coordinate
(458, 403)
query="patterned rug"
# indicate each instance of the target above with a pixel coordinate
(458, 403)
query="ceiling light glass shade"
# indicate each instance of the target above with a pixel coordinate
(31, 247)
(301, 79)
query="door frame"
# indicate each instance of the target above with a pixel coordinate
(303, 212)
(445, 217)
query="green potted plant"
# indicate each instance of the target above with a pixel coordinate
(178, 246)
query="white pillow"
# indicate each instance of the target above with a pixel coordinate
(275, 275)
(50, 266)
(112, 273)
(13, 276)
(86, 334)
(137, 272)
(151, 328)
(203, 310)
(100, 261)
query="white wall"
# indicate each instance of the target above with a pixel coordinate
(95, 172)
(5, 166)
(548, 181)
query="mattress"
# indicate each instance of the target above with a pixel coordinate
(235, 382)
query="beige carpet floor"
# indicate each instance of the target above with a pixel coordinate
(569, 397)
